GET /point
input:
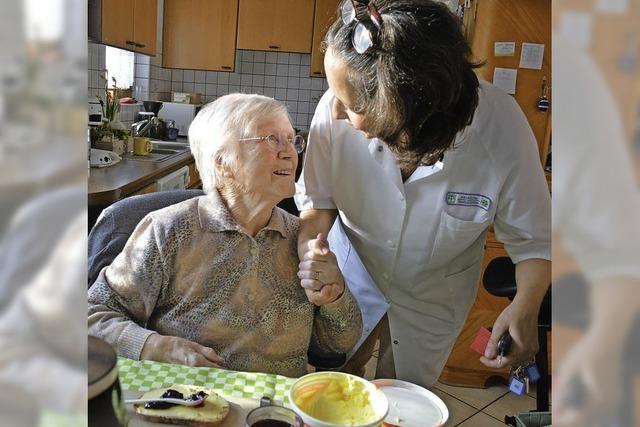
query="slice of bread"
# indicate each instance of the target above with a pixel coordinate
(212, 413)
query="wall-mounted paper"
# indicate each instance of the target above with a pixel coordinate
(531, 56)
(504, 48)
(505, 79)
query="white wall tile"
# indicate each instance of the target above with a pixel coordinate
(223, 78)
(282, 70)
(258, 80)
(246, 79)
(188, 76)
(281, 82)
(258, 68)
(270, 81)
(283, 58)
(200, 76)
(259, 57)
(281, 94)
(282, 75)
(270, 69)
(271, 57)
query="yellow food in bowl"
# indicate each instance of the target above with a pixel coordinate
(341, 401)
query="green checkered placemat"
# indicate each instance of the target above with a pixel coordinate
(147, 375)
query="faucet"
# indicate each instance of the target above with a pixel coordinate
(141, 128)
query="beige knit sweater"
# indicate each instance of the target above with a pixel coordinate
(189, 271)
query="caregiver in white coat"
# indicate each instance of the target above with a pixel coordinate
(417, 159)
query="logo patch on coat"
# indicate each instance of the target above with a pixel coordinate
(465, 199)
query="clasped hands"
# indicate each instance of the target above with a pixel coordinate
(319, 273)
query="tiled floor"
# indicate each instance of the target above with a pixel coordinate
(473, 407)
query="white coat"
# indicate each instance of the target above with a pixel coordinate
(415, 249)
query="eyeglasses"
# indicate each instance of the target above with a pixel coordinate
(366, 33)
(276, 142)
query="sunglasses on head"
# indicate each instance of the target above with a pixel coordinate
(366, 33)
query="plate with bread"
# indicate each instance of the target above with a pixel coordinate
(215, 410)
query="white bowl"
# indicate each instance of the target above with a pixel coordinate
(377, 399)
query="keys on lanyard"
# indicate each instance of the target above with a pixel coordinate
(522, 377)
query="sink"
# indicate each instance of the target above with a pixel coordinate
(160, 151)
(170, 145)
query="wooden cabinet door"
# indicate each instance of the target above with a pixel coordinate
(326, 13)
(517, 21)
(200, 34)
(276, 25)
(145, 27)
(117, 23)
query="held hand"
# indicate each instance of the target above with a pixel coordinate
(319, 273)
(522, 323)
(178, 350)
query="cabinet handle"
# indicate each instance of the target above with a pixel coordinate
(141, 45)
(274, 47)
(225, 67)
(319, 73)
(131, 43)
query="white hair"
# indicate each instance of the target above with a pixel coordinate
(215, 132)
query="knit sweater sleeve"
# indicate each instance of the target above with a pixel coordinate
(125, 294)
(337, 326)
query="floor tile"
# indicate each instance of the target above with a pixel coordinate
(458, 410)
(510, 404)
(476, 397)
(481, 420)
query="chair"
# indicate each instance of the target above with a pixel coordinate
(116, 223)
(499, 279)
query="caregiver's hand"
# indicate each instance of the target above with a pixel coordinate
(521, 320)
(319, 273)
(168, 349)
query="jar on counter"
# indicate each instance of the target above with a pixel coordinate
(171, 131)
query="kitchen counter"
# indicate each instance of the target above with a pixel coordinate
(107, 185)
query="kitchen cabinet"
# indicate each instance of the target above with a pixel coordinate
(275, 25)
(200, 34)
(129, 24)
(325, 15)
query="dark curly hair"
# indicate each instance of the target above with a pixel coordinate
(417, 88)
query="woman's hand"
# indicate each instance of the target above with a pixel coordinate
(521, 320)
(168, 349)
(319, 273)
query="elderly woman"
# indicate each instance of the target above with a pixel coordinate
(212, 281)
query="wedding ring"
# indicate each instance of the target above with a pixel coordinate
(316, 275)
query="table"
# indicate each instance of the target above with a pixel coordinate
(145, 375)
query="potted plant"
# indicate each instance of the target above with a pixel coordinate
(111, 134)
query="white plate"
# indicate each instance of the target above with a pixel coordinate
(411, 405)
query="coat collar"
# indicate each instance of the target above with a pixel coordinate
(215, 216)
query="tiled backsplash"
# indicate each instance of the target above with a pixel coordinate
(283, 76)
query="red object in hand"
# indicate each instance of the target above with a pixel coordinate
(481, 340)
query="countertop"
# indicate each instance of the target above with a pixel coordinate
(107, 185)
